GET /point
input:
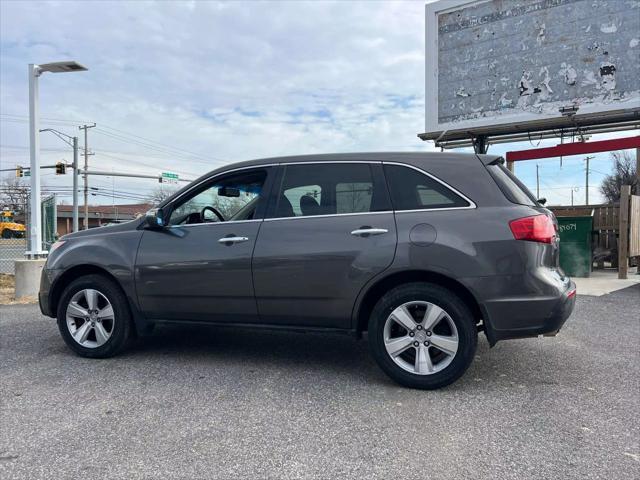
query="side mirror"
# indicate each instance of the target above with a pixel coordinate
(155, 218)
(542, 201)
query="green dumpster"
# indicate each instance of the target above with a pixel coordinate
(575, 245)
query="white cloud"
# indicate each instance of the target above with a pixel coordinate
(225, 82)
(229, 81)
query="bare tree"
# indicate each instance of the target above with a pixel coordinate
(624, 173)
(229, 206)
(160, 194)
(14, 194)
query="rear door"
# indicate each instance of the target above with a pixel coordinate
(330, 229)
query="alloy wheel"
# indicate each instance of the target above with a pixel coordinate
(421, 338)
(90, 318)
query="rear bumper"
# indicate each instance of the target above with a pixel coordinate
(540, 308)
(521, 318)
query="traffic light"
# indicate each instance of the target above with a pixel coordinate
(19, 171)
(60, 168)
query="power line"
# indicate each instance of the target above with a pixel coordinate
(103, 153)
(121, 135)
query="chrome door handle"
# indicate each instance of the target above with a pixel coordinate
(233, 239)
(361, 232)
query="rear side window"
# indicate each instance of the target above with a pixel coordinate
(513, 189)
(329, 189)
(413, 190)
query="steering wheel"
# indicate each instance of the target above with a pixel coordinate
(211, 209)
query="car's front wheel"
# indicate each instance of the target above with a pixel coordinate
(93, 317)
(422, 335)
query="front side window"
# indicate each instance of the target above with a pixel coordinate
(231, 197)
(329, 189)
(413, 190)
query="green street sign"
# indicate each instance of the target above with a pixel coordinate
(169, 177)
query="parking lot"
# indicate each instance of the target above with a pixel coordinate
(220, 403)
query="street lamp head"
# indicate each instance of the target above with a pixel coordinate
(58, 67)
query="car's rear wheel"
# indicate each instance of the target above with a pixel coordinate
(94, 318)
(422, 335)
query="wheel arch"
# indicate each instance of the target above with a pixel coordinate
(78, 271)
(381, 286)
(70, 275)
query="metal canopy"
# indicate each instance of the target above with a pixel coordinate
(623, 120)
(575, 148)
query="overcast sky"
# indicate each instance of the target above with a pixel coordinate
(188, 86)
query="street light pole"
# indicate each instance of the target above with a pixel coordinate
(35, 232)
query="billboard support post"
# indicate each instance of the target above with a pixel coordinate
(623, 233)
(480, 144)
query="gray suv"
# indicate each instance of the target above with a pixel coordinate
(420, 250)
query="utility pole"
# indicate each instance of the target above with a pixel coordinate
(638, 176)
(537, 181)
(73, 142)
(85, 224)
(586, 191)
(75, 184)
(572, 197)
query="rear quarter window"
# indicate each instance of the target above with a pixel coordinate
(513, 189)
(413, 190)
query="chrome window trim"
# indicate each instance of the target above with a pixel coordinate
(471, 205)
(215, 223)
(338, 162)
(327, 215)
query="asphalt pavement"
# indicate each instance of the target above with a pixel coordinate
(219, 403)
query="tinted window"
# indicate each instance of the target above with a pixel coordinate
(329, 188)
(295, 194)
(413, 190)
(512, 188)
(354, 197)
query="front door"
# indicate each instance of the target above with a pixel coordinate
(330, 231)
(199, 266)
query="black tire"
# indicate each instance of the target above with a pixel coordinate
(122, 330)
(6, 233)
(457, 310)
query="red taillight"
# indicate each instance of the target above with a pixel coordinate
(538, 228)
